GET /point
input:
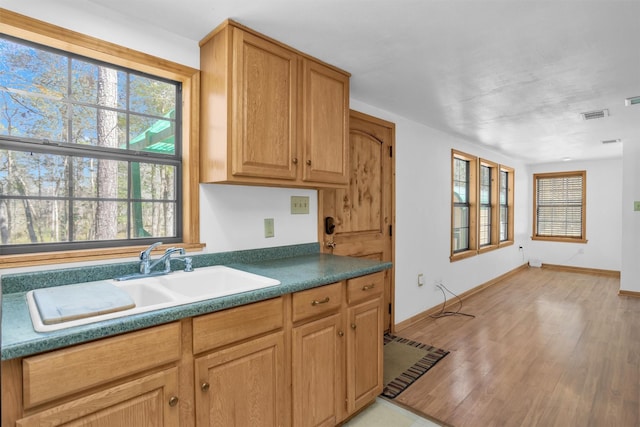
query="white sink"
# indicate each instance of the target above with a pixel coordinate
(154, 293)
(214, 282)
(146, 292)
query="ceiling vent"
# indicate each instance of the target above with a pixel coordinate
(598, 114)
(610, 141)
(634, 100)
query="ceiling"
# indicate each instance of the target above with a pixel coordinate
(513, 75)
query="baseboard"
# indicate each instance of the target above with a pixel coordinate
(599, 272)
(433, 310)
(633, 294)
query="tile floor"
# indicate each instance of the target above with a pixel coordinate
(383, 413)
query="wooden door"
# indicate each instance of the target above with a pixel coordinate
(265, 114)
(325, 99)
(243, 385)
(148, 401)
(317, 357)
(364, 353)
(363, 213)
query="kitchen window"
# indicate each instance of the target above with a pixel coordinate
(482, 205)
(559, 206)
(96, 146)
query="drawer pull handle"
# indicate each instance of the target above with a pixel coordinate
(204, 386)
(173, 401)
(367, 287)
(353, 326)
(316, 302)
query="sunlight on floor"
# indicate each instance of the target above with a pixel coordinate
(385, 414)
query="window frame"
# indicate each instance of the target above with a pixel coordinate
(493, 202)
(475, 163)
(510, 201)
(565, 239)
(32, 30)
(472, 180)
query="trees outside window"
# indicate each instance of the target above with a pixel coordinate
(90, 152)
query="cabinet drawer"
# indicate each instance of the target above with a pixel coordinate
(317, 301)
(59, 373)
(236, 324)
(365, 287)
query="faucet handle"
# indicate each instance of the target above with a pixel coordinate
(144, 255)
(188, 264)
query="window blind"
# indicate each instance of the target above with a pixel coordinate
(559, 209)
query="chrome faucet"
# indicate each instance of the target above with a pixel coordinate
(166, 259)
(147, 266)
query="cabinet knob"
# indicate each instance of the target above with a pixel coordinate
(308, 162)
(173, 401)
(316, 302)
(294, 160)
(340, 333)
(353, 326)
(204, 386)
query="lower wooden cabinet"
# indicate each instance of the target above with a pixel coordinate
(317, 372)
(336, 350)
(147, 401)
(364, 353)
(243, 385)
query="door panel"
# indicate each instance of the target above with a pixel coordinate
(363, 212)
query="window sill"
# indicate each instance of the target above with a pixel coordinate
(487, 248)
(462, 255)
(559, 239)
(53, 258)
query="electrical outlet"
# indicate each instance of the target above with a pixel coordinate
(420, 279)
(268, 227)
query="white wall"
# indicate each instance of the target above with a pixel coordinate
(630, 275)
(423, 217)
(232, 217)
(604, 216)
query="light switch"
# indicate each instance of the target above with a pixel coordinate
(636, 206)
(299, 204)
(268, 227)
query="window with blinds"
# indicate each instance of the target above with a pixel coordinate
(560, 205)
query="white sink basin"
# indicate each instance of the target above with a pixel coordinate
(146, 292)
(214, 282)
(154, 293)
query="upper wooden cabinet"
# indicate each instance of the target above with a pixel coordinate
(270, 115)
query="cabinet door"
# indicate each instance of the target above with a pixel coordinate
(264, 113)
(325, 124)
(148, 401)
(364, 353)
(243, 385)
(317, 372)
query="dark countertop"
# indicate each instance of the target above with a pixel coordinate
(297, 267)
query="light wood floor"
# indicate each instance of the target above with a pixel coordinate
(547, 348)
